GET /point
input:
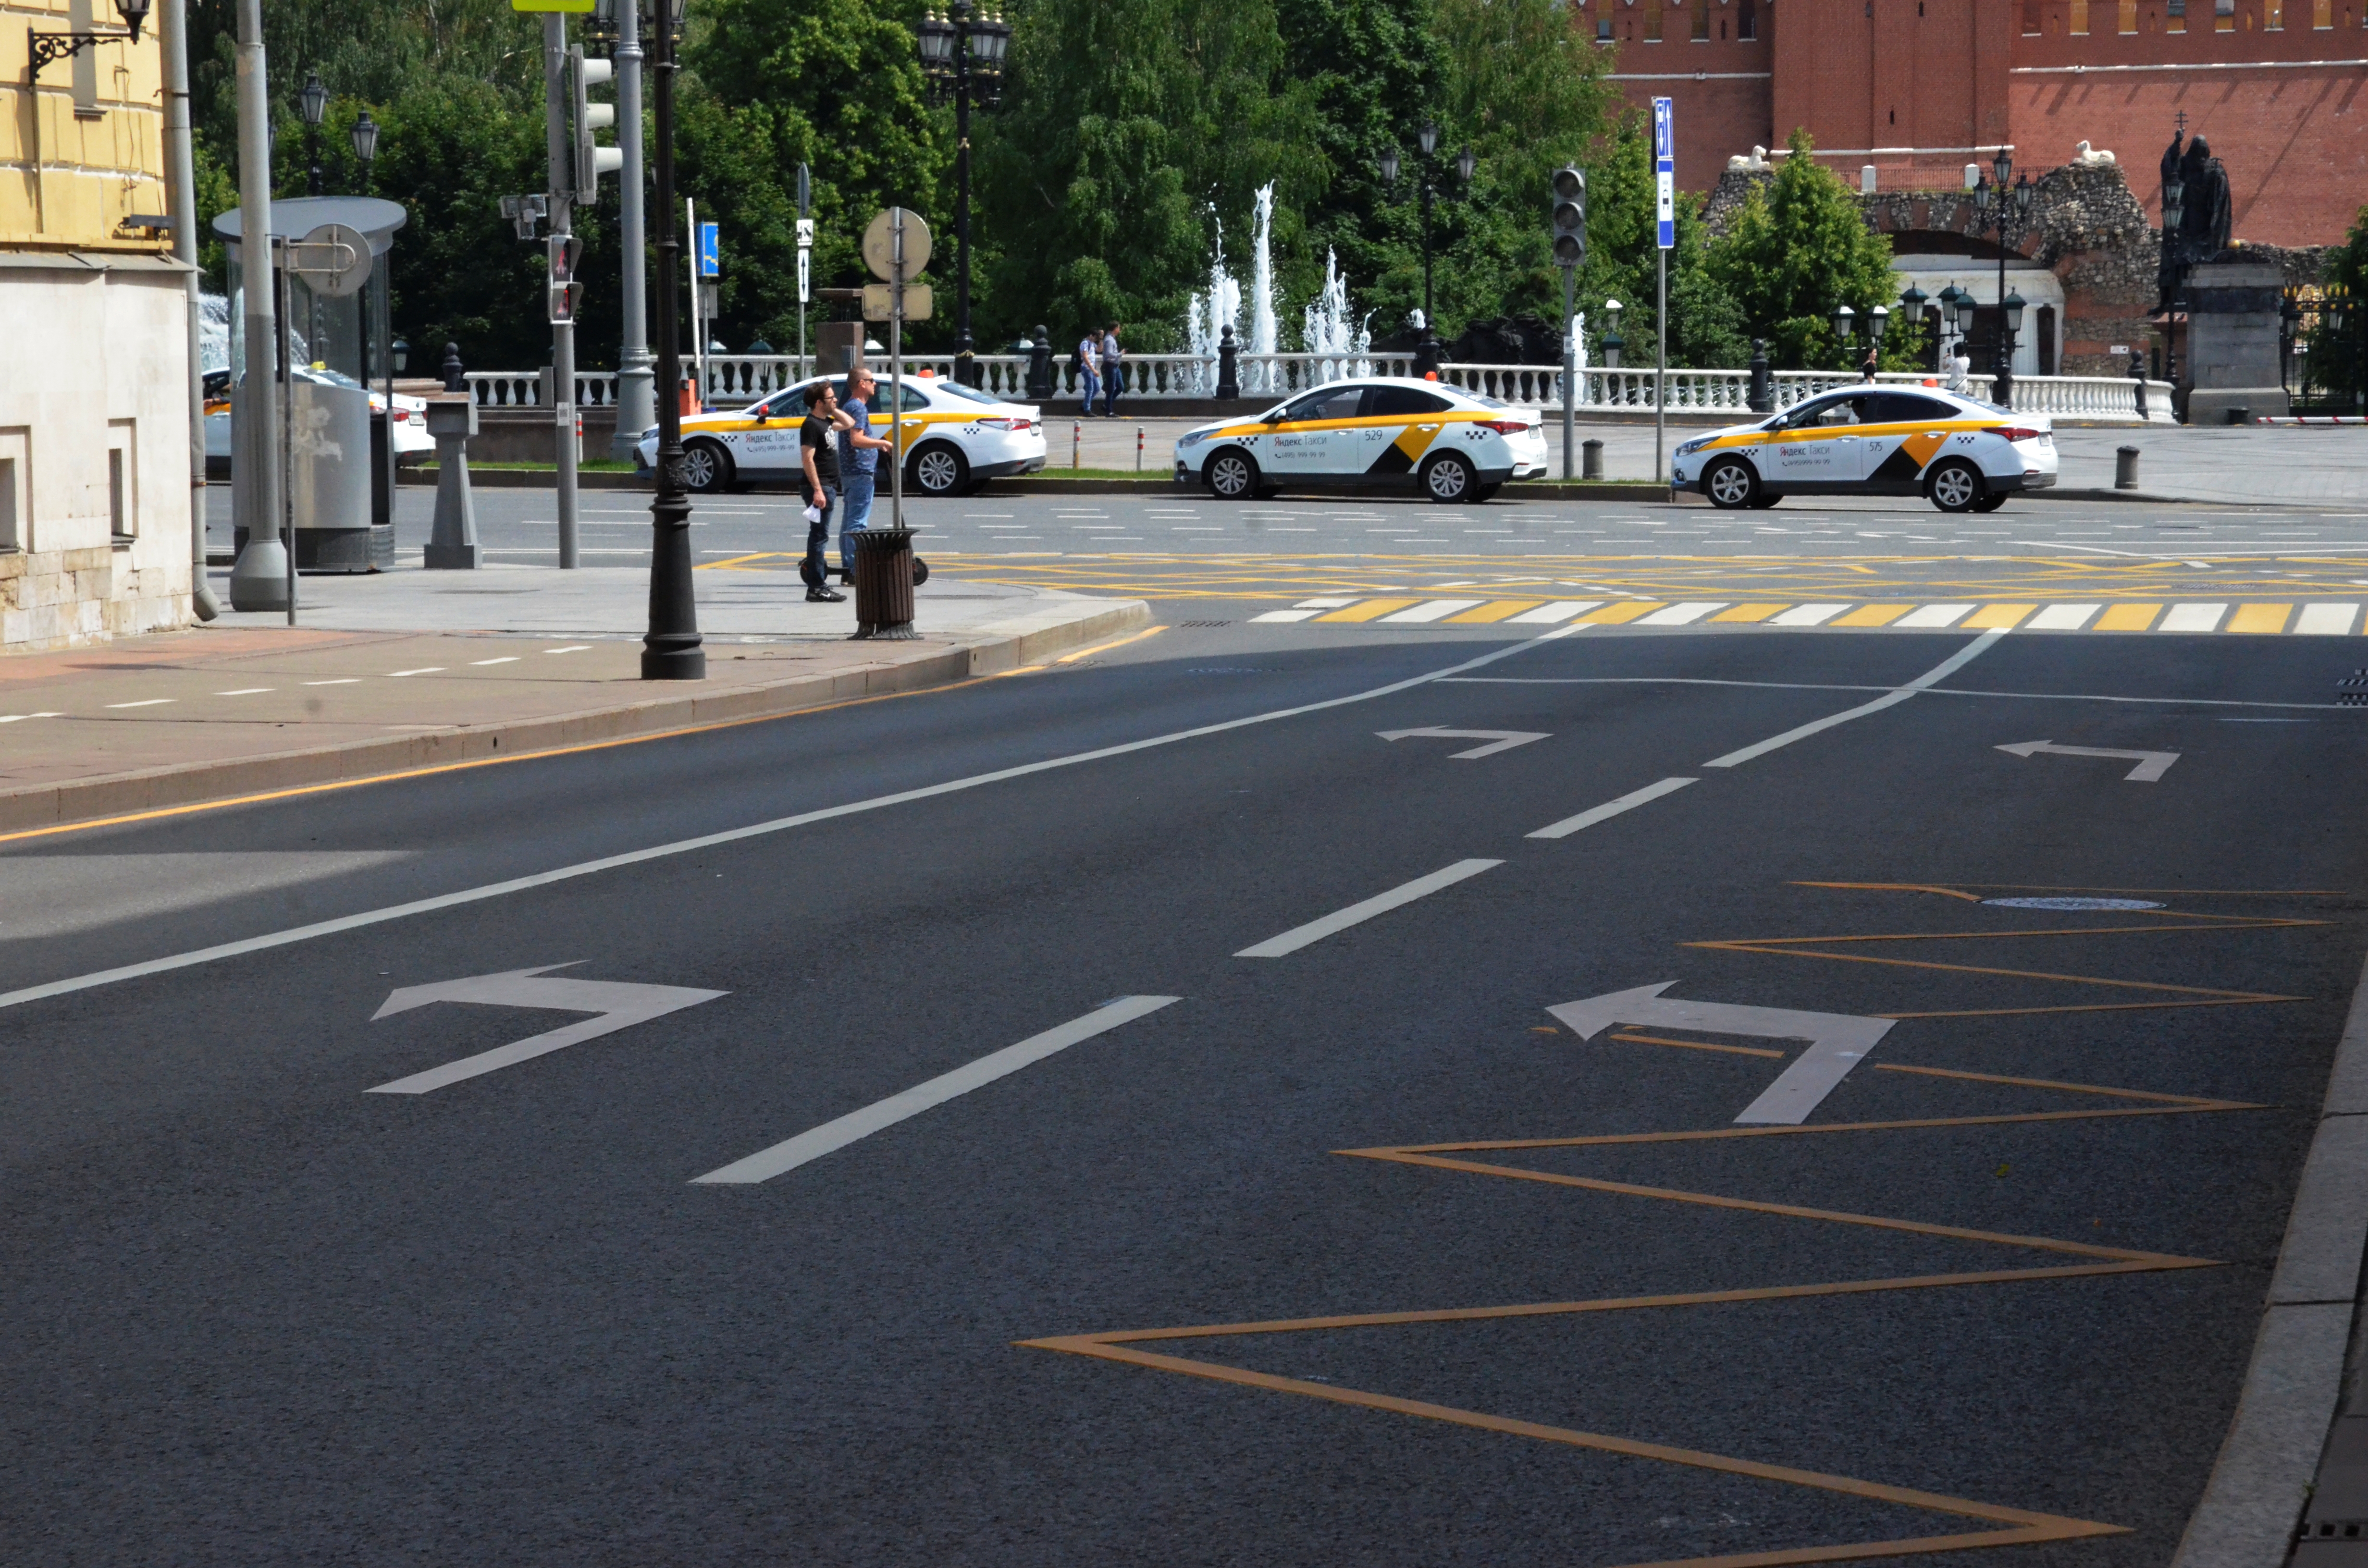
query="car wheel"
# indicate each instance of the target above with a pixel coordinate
(1762, 501)
(1730, 484)
(1231, 474)
(937, 469)
(1483, 492)
(1991, 502)
(1955, 486)
(1447, 478)
(706, 468)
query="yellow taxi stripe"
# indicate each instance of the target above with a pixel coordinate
(1372, 610)
(1749, 612)
(2260, 618)
(1871, 615)
(1618, 615)
(1491, 612)
(2126, 618)
(1990, 618)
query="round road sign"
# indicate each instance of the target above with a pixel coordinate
(880, 246)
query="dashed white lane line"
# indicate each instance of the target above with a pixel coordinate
(422, 670)
(19, 718)
(246, 691)
(144, 702)
(342, 680)
(576, 648)
(1933, 677)
(831, 1136)
(506, 659)
(1611, 809)
(1339, 920)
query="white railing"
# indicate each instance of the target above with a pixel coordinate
(734, 378)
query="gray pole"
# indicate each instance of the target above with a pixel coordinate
(637, 407)
(896, 372)
(257, 581)
(181, 200)
(1660, 361)
(562, 334)
(1569, 367)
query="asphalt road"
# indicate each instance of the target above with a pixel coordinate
(260, 1314)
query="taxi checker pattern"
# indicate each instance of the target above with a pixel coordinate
(1963, 455)
(1454, 445)
(2335, 618)
(955, 438)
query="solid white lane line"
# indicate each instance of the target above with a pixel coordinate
(369, 917)
(2325, 620)
(1611, 809)
(150, 702)
(429, 670)
(2192, 618)
(1678, 614)
(1437, 610)
(1808, 615)
(2062, 618)
(1933, 677)
(1554, 614)
(813, 1144)
(1934, 616)
(1339, 920)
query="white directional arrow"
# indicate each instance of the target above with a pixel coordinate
(619, 1004)
(1837, 1041)
(2151, 764)
(1506, 740)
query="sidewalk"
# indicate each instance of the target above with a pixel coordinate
(415, 669)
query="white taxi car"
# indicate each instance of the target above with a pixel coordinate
(1451, 445)
(1959, 454)
(411, 437)
(954, 438)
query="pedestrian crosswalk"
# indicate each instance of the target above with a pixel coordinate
(2339, 618)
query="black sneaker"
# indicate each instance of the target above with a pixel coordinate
(819, 596)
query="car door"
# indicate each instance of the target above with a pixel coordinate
(913, 420)
(765, 440)
(1316, 436)
(1903, 432)
(1400, 425)
(1819, 445)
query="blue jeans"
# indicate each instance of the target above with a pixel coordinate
(1089, 387)
(815, 568)
(1112, 385)
(855, 513)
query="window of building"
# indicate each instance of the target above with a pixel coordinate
(1603, 29)
(2031, 18)
(2322, 15)
(2224, 16)
(1701, 22)
(2273, 16)
(2174, 19)
(2129, 16)
(13, 507)
(123, 503)
(2079, 18)
(1746, 20)
(1653, 24)
(86, 64)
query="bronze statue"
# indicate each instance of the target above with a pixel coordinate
(2196, 224)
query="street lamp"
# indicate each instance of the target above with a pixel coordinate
(958, 48)
(313, 103)
(670, 649)
(400, 352)
(1426, 352)
(46, 47)
(1996, 204)
(366, 145)
(1613, 342)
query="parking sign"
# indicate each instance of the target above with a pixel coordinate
(711, 252)
(1665, 171)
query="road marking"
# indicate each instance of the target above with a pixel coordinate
(1504, 739)
(1106, 647)
(15, 718)
(1434, 609)
(576, 648)
(1554, 614)
(1746, 614)
(147, 702)
(1933, 677)
(2193, 617)
(2325, 620)
(1837, 1042)
(1678, 614)
(1810, 615)
(2063, 617)
(1611, 809)
(1996, 618)
(1372, 610)
(509, 659)
(365, 918)
(244, 691)
(619, 1006)
(2127, 618)
(2259, 619)
(429, 670)
(1620, 614)
(1325, 604)
(1299, 937)
(2151, 764)
(813, 1144)
(1874, 615)
(342, 680)
(1288, 615)
(1489, 614)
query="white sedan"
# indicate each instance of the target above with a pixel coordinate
(1959, 454)
(1450, 444)
(954, 438)
(410, 416)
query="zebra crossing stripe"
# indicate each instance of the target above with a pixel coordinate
(2333, 618)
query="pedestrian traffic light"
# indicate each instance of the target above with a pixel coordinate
(563, 290)
(1570, 217)
(592, 160)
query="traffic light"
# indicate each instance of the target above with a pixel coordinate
(562, 289)
(592, 160)
(1570, 217)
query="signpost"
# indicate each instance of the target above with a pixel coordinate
(895, 246)
(706, 265)
(806, 256)
(1665, 240)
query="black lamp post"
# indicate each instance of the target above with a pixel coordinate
(366, 145)
(42, 48)
(1911, 305)
(1426, 353)
(670, 649)
(961, 54)
(1992, 201)
(313, 103)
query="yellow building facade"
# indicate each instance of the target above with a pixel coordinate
(94, 502)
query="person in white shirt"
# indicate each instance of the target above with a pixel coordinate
(1958, 367)
(1090, 365)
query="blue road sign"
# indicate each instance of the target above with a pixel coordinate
(1665, 171)
(711, 252)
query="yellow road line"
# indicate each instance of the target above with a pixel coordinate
(1620, 614)
(1500, 611)
(2126, 618)
(740, 560)
(1990, 618)
(1372, 610)
(1871, 615)
(1106, 647)
(2259, 618)
(1750, 612)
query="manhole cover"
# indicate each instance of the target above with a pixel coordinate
(2073, 903)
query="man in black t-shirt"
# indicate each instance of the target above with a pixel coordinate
(818, 457)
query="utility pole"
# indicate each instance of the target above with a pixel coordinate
(259, 580)
(181, 201)
(805, 260)
(637, 407)
(562, 148)
(1569, 210)
(1665, 239)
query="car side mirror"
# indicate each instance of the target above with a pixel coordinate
(1271, 417)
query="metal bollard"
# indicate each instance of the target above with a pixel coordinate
(2125, 468)
(1076, 437)
(883, 584)
(1591, 459)
(1138, 449)
(452, 545)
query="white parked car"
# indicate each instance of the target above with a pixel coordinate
(954, 438)
(410, 416)
(1450, 444)
(1959, 454)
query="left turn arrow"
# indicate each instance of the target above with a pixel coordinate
(618, 1003)
(1504, 739)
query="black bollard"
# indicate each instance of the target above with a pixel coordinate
(1763, 395)
(455, 379)
(1229, 383)
(1040, 366)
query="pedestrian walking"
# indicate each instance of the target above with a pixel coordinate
(818, 458)
(1114, 372)
(1866, 367)
(859, 461)
(1957, 366)
(1088, 364)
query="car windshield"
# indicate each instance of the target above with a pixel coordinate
(955, 389)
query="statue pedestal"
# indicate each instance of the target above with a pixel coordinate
(2233, 341)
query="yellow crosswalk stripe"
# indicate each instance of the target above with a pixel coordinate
(2126, 618)
(1994, 616)
(1747, 613)
(1493, 612)
(1371, 609)
(1618, 615)
(1871, 615)
(2260, 618)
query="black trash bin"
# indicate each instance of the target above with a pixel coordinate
(883, 583)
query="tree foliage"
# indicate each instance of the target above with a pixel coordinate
(2338, 363)
(1799, 248)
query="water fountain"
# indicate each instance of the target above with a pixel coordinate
(1342, 343)
(1265, 331)
(1210, 313)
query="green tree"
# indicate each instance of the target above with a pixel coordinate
(1799, 247)
(2338, 362)
(1706, 325)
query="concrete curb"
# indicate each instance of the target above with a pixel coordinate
(80, 800)
(2255, 1498)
